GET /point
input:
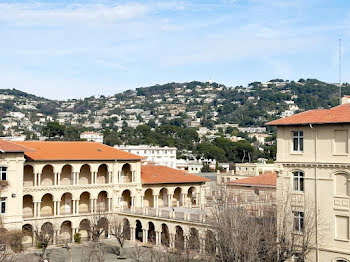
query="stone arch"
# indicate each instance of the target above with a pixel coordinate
(163, 197)
(102, 201)
(28, 176)
(66, 231)
(148, 198)
(84, 229)
(126, 174)
(126, 199)
(126, 228)
(47, 230)
(102, 174)
(47, 176)
(177, 201)
(84, 203)
(28, 206)
(193, 239)
(138, 231)
(151, 233)
(179, 238)
(66, 175)
(103, 224)
(85, 175)
(165, 235)
(340, 260)
(28, 235)
(46, 207)
(210, 242)
(66, 204)
(192, 195)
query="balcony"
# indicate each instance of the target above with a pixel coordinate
(176, 213)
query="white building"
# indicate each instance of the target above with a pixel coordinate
(92, 136)
(165, 156)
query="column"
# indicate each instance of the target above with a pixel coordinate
(132, 201)
(77, 207)
(73, 178)
(183, 199)
(144, 235)
(35, 179)
(92, 177)
(118, 176)
(58, 178)
(58, 208)
(76, 178)
(142, 201)
(39, 179)
(35, 209)
(39, 208)
(110, 177)
(91, 205)
(157, 201)
(202, 241)
(172, 240)
(54, 240)
(132, 232)
(198, 202)
(109, 205)
(55, 179)
(95, 173)
(74, 230)
(185, 241)
(73, 208)
(54, 208)
(158, 238)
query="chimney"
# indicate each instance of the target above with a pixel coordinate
(345, 100)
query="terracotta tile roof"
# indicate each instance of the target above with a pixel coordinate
(151, 174)
(267, 179)
(338, 114)
(8, 146)
(64, 150)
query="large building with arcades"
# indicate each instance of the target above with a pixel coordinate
(64, 183)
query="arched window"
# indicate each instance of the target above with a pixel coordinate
(298, 181)
(341, 185)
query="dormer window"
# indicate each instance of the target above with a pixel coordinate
(3, 173)
(298, 141)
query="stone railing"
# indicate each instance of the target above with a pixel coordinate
(165, 213)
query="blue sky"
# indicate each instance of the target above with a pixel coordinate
(74, 49)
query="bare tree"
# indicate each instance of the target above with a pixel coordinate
(296, 227)
(96, 225)
(119, 230)
(94, 252)
(44, 236)
(138, 253)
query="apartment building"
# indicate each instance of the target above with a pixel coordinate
(64, 184)
(92, 136)
(165, 156)
(313, 164)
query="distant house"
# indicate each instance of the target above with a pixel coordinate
(92, 136)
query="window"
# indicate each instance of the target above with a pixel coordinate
(342, 227)
(340, 142)
(341, 185)
(298, 221)
(298, 181)
(2, 205)
(3, 173)
(298, 141)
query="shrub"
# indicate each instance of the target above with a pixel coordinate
(15, 240)
(38, 245)
(77, 238)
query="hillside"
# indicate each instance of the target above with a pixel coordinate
(196, 103)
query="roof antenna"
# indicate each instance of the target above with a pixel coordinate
(340, 84)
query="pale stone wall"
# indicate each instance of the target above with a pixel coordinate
(320, 163)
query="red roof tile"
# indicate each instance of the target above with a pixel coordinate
(151, 174)
(63, 150)
(8, 146)
(338, 114)
(267, 179)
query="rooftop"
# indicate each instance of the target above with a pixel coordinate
(151, 174)
(338, 114)
(11, 147)
(268, 179)
(64, 150)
